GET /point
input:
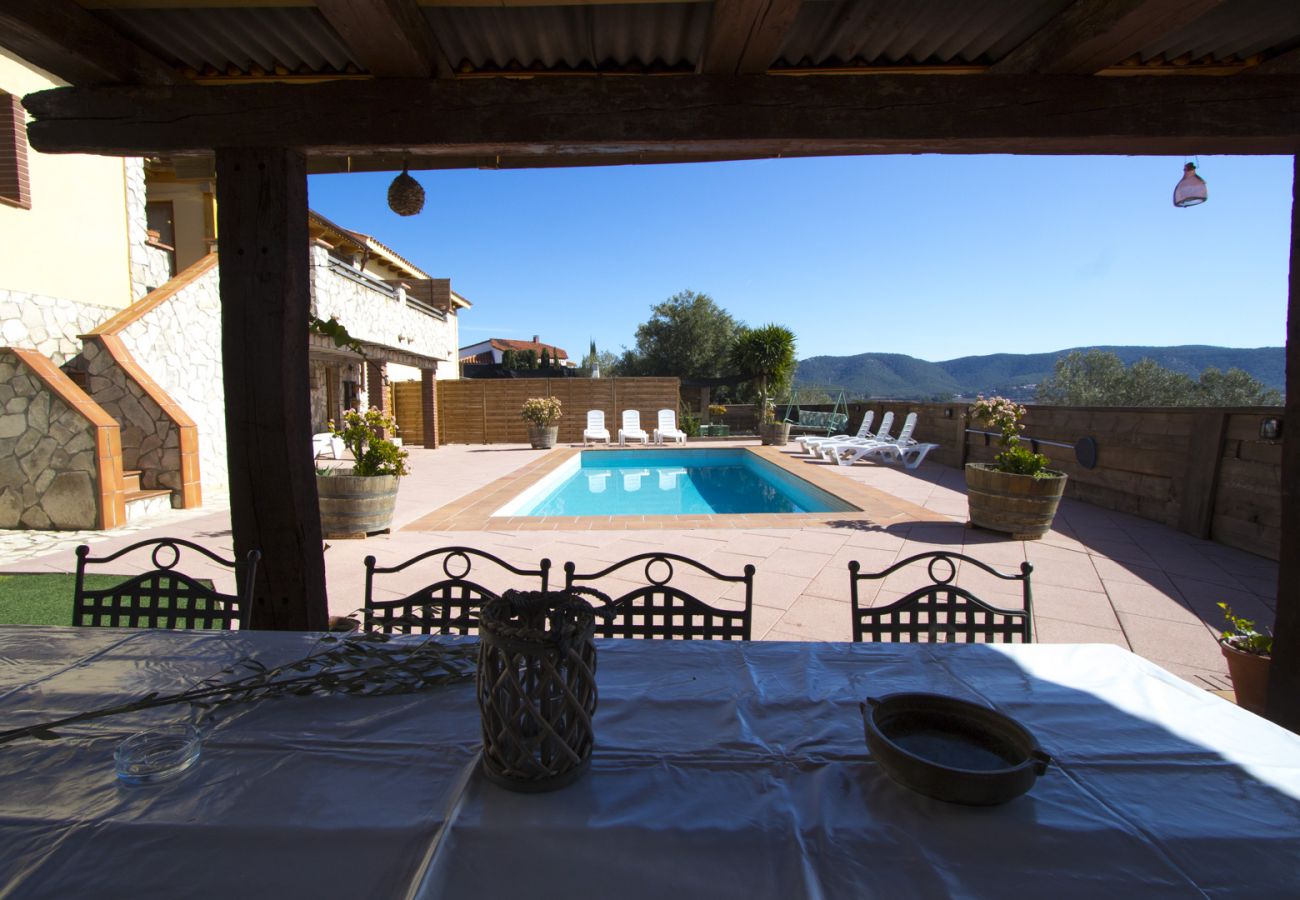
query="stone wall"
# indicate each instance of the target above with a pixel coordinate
(375, 315)
(178, 343)
(60, 466)
(150, 267)
(156, 433)
(48, 325)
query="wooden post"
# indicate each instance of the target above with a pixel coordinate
(1284, 677)
(429, 406)
(262, 197)
(1201, 479)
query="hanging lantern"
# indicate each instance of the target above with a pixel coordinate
(1191, 191)
(405, 196)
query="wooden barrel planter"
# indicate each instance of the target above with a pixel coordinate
(355, 505)
(1021, 505)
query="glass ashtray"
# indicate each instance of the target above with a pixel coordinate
(157, 755)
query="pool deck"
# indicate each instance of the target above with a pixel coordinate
(1099, 576)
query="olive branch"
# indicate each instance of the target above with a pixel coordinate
(366, 665)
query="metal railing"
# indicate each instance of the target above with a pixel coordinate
(1085, 448)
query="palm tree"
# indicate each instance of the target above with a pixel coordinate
(765, 355)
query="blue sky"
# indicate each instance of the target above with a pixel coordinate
(933, 256)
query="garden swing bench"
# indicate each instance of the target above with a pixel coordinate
(812, 421)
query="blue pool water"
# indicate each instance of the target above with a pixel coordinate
(670, 482)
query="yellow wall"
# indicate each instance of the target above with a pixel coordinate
(72, 243)
(188, 201)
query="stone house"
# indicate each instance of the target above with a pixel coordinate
(111, 394)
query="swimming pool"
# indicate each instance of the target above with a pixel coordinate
(672, 483)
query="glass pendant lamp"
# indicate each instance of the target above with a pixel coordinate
(1191, 190)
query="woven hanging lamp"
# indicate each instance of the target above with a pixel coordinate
(405, 196)
(1191, 190)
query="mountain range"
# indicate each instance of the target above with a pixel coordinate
(1015, 375)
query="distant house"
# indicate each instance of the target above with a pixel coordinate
(490, 352)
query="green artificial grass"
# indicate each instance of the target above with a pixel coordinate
(46, 599)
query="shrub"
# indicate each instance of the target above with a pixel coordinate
(373, 454)
(542, 411)
(1005, 416)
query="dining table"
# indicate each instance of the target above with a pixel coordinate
(720, 770)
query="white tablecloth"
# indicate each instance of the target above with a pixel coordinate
(721, 770)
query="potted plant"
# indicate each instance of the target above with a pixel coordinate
(542, 414)
(361, 500)
(1017, 493)
(766, 356)
(1249, 653)
(717, 428)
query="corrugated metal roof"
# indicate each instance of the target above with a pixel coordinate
(1237, 28)
(886, 32)
(297, 40)
(623, 37)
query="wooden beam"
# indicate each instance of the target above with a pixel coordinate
(1284, 64)
(760, 115)
(389, 38)
(745, 35)
(70, 43)
(262, 194)
(1284, 674)
(1090, 35)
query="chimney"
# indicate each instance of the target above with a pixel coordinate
(537, 339)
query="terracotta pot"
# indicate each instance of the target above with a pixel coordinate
(543, 437)
(356, 504)
(1020, 505)
(1249, 674)
(775, 434)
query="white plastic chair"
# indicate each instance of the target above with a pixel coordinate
(595, 430)
(632, 480)
(596, 482)
(668, 430)
(632, 430)
(668, 478)
(324, 443)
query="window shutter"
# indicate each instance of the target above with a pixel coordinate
(15, 186)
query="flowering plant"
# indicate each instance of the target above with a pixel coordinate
(1005, 416)
(717, 409)
(542, 411)
(1244, 636)
(373, 454)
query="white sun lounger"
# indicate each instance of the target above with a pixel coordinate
(632, 430)
(848, 455)
(830, 451)
(595, 430)
(909, 457)
(811, 443)
(632, 480)
(668, 430)
(326, 443)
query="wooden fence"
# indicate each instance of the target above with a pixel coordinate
(1204, 471)
(486, 411)
(407, 410)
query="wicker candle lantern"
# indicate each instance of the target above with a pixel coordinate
(536, 689)
(405, 196)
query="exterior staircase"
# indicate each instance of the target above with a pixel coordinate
(141, 503)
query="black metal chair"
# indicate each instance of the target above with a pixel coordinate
(942, 611)
(447, 606)
(163, 597)
(660, 610)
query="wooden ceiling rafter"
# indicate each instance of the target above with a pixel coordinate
(745, 36)
(1092, 35)
(77, 46)
(698, 116)
(389, 38)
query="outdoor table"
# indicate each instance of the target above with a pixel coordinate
(721, 770)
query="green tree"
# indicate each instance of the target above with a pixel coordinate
(528, 359)
(765, 355)
(688, 335)
(1099, 378)
(1234, 388)
(509, 359)
(546, 359)
(1095, 378)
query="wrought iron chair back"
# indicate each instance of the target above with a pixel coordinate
(447, 606)
(163, 597)
(941, 610)
(660, 609)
